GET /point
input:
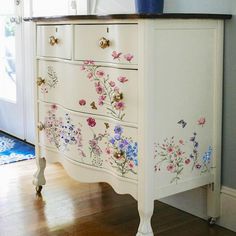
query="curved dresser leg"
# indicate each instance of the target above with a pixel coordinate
(145, 213)
(39, 179)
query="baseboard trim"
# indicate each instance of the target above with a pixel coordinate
(228, 191)
(228, 208)
(194, 202)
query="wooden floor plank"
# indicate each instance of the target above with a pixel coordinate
(68, 207)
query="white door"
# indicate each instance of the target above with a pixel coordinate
(11, 69)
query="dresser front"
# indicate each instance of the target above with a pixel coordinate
(87, 76)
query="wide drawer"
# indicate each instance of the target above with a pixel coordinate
(89, 140)
(116, 43)
(90, 88)
(54, 41)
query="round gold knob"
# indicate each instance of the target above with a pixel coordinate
(41, 126)
(118, 97)
(40, 81)
(104, 43)
(53, 40)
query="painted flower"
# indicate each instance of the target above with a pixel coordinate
(202, 121)
(125, 156)
(118, 129)
(128, 57)
(93, 143)
(170, 149)
(179, 153)
(89, 62)
(181, 141)
(132, 152)
(131, 164)
(101, 100)
(91, 122)
(116, 55)
(122, 79)
(116, 89)
(187, 161)
(112, 141)
(207, 156)
(82, 102)
(170, 167)
(198, 166)
(121, 145)
(90, 75)
(108, 151)
(82, 67)
(105, 88)
(53, 107)
(120, 106)
(100, 73)
(112, 83)
(117, 137)
(99, 88)
(95, 148)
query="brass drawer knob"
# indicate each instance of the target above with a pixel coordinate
(40, 81)
(53, 40)
(41, 126)
(118, 97)
(104, 43)
(119, 155)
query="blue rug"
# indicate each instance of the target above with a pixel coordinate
(13, 150)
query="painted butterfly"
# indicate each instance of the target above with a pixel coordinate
(93, 106)
(182, 123)
(107, 125)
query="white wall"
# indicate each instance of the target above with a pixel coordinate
(56, 7)
(60, 7)
(199, 6)
(183, 6)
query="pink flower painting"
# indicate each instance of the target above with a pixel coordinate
(91, 122)
(129, 57)
(107, 90)
(122, 79)
(116, 55)
(99, 88)
(82, 102)
(201, 121)
(112, 83)
(120, 106)
(100, 73)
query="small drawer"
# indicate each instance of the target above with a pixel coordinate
(54, 41)
(89, 140)
(90, 88)
(116, 43)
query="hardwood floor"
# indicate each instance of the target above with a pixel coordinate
(67, 207)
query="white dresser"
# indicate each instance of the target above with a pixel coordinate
(133, 101)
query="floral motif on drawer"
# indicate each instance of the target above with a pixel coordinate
(123, 152)
(107, 90)
(51, 80)
(175, 156)
(97, 144)
(119, 56)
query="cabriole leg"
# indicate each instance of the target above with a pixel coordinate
(145, 213)
(39, 179)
